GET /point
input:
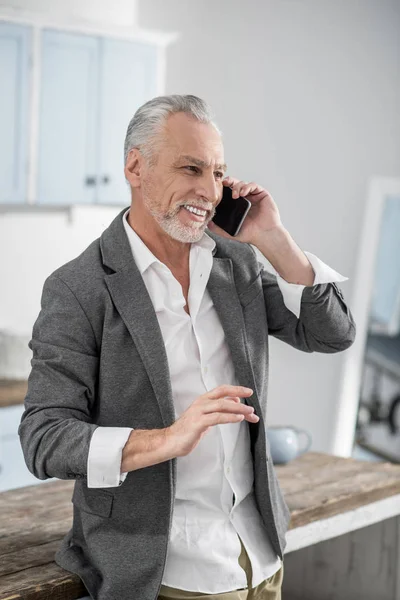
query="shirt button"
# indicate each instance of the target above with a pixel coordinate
(205, 369)
(228, 470)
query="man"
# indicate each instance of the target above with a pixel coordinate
(143, 349)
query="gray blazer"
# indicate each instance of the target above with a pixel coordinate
(99, 360)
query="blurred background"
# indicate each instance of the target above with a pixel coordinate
(307, 95)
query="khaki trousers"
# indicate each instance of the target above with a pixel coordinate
(270, 589)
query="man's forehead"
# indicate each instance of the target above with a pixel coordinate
(201, 162)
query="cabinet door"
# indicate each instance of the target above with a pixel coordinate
(15, 47)
(68, 119)
(128, 79)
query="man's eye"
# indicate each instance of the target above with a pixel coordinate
(220, 174)
(192, 167)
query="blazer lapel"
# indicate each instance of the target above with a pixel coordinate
(133, 302)
(222, 289)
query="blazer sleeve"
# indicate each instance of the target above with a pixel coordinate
(56, 425)
(325, 323)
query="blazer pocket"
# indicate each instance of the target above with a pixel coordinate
(93, 500)
(251, 292)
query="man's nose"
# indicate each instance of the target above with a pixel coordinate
(210, 188)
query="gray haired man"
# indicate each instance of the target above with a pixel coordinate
(149, 375)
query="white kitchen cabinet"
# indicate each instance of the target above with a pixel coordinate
(10, 418)
(68, 118)
(14, 110)
(90, 88)
(128, 79)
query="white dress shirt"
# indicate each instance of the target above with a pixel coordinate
(204, 547)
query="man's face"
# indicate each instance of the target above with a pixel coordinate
(187, 175)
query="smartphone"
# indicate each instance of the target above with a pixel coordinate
(231, 212)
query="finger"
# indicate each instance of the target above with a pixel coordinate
(230, 181)
(227, 390)
(248, 188)
(245, 189)
(237, 187)
(252, 416)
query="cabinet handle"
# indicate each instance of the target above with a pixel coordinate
(90, 181)
(106, 179)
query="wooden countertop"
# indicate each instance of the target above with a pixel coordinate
(316, 486)
(12, 392)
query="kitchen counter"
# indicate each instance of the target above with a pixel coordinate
(12, 392)
(328, 496)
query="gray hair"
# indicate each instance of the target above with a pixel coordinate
(149, 118)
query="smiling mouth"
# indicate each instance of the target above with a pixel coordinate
(197, 214)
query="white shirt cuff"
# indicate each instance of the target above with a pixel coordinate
(105, 456)
(292, 292)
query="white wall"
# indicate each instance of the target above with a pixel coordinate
(110, 12)
(307, 94)
(32, 245)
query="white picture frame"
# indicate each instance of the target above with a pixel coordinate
(379, 188)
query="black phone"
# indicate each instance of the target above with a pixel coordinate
(231, 212)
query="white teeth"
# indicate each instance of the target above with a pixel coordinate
(196, 211)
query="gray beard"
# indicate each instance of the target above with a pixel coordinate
(174, 228)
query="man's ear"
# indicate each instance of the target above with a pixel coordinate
(133, 166)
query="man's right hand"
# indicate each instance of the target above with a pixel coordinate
(220, 405)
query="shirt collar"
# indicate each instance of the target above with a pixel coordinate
(142, 254)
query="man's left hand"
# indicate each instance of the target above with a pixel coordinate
(262, 216)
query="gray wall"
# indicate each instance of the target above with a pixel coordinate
(307, 94)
